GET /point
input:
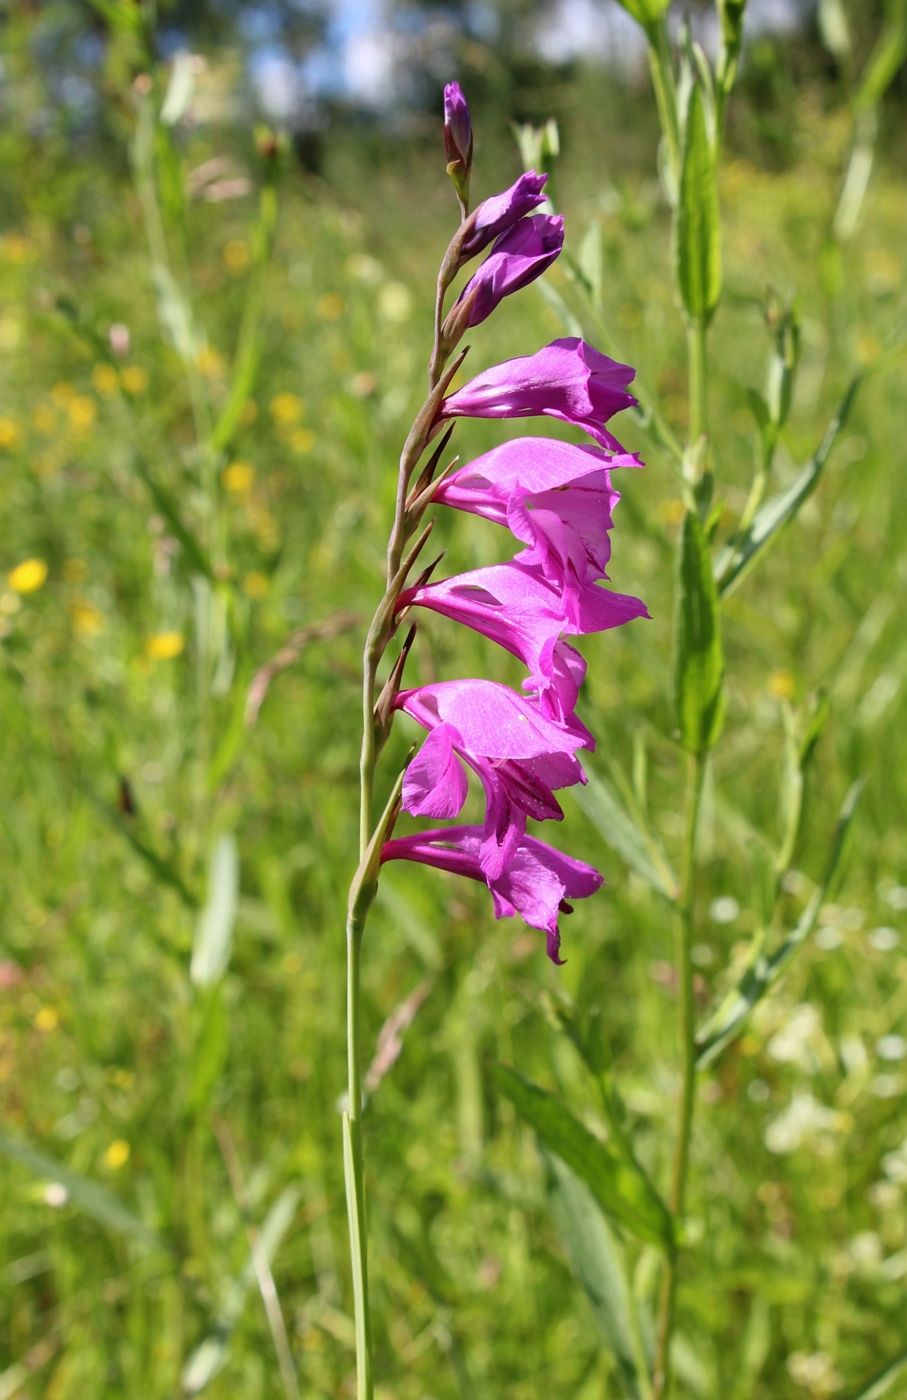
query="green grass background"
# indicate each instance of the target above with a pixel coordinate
(113, 1065)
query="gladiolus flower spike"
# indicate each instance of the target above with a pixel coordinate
(557, 500)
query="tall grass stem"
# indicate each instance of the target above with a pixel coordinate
(687, 1043)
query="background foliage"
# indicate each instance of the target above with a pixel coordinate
(204, 494)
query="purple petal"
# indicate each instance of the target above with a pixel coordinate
(499, 213)
(434, 784)
(491, 719)
(536, 883)
(517, 258)
(457, 127)
(567, 379)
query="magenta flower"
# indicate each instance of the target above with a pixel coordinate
(553, 496)
(517, 258)
(520, 756)
(516, 606)
(567, 379)
(536, 883)
(499, 213)
(457, 135)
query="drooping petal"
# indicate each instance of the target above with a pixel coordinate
(536, 883)
(567, 379)
(491, 719)
(520, 757)
(514, 605)
(434, 784)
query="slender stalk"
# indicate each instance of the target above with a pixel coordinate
(665, 90)
(686, 1034)
(379, 634)
(698, 382)
(353, 1163)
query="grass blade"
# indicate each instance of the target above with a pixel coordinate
(763, 972)
(210, 1356)
(699, 659)
(623, 834)
(620, 1186)
(881, 1383)
(214, 934)
(86, 1195)
(741, 553)
(594, 1257)
(697, 245)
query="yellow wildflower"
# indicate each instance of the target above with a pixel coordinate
(302, 441)
(164, 646)
(14, 248)
(209, 362)
(87, 620)
(117, 1154)
(47, 1018)
(236, 255)
(105, 379)
(255, 584)
(27, 576)
(9, 433)
(44, 418)
(329, 307)
(781, 684)
(82, 413)
(671, 512)
(134, 379)
(286, 409)
(238, 478)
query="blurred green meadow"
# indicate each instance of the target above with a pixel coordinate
(196, 511)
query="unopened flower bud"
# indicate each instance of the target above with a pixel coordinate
(457, 139)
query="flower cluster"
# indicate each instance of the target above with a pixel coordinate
(557, 501)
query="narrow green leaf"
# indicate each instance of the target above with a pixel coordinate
(86, 1195)
(881, 1383)
(559, 306)
(645, 12)
(886, 59)
(741, 553)
(595, 1260)
(175, 313)
(763, 972)
(179, 89)
(620, 1187)
(623, 834)
(210, 1356)
(166, 504)
(697, 235)
(590, 261)
(249, 345)
(214, 933)
(699, 661)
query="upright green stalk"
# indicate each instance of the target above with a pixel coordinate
(696, 358)
(687, 1045)
(407, 514)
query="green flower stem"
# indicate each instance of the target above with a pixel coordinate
(665, 90)
(698, 384)
(687, 1032)
(406, 521)
(353, 1163)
